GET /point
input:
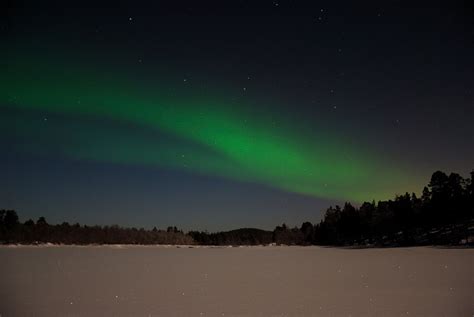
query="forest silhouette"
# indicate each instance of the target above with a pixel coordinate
(443, 215)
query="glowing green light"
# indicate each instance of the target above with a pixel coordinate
(210, 135)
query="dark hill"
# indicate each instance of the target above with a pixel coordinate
(244, 236)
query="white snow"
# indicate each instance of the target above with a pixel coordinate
(250, 281)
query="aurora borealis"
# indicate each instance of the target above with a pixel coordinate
(60, 104)
(220, 140)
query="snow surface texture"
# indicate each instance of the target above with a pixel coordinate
(240, 281)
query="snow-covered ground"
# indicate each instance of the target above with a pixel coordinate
(242, 281)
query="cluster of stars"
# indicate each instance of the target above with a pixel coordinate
(320, 17)
(276, 4)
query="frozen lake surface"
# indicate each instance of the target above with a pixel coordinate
(245, 281)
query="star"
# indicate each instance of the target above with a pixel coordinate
(130, 19)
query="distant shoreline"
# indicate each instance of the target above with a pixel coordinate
(188, 246)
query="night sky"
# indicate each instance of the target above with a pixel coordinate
(228, 114)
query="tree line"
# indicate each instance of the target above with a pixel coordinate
(444, 214)
(30, 232)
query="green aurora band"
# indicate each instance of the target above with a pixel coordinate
(110, 119)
